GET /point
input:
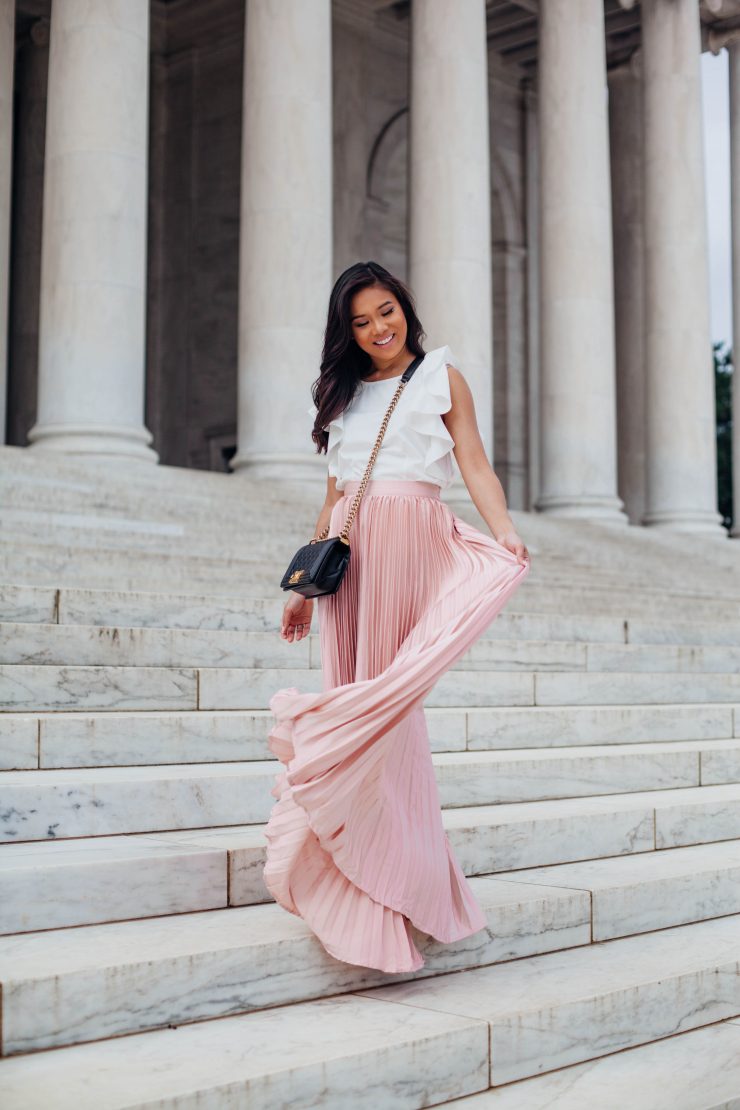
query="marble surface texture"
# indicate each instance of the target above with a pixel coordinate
(60, 688)
(554, 1010)
(101, 801)
(697, 1070)
(225, 688)
(90, 801)
(187, 967)
(19, 742)
(378, 1055)
(550, 726)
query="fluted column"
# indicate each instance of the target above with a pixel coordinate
(93, 256)
(625, 134)
(680, 396)
(734, 52)
(450, 189)
(285, 269)
(7, 56)
(578, 404)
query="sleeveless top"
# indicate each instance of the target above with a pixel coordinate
(416, 446)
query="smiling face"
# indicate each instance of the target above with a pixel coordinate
(379, 326)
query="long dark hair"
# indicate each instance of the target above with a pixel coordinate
(343, 362)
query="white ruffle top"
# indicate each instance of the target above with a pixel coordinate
(416, 446)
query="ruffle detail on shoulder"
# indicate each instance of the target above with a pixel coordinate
(429, 399)
(335, 428)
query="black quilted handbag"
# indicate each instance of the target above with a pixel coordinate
(319, 566)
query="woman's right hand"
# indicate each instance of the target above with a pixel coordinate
(297, 613)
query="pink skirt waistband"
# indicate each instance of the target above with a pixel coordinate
(391, 485)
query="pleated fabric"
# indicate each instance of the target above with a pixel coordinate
(355, 841)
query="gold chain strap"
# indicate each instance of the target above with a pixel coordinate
(344, 534)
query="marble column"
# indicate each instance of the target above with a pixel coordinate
(7, 56)
(625, 136)
(578, 403)
(733, 48)
(450, 190)
(93, 256)
(680, 397)
(285, 264)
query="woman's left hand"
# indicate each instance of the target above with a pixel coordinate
(510, 539)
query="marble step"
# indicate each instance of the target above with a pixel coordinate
(92, 877)
(237, 542)
(698, 1070)
(46, 605)
(173, 492)
(91, 535)
(191, 552)
(242, 537)
(550, 1011)
(87, 517)
(24, 510)
(82, 514)
(39, 687)
(246, 560)
(224, 572)
(198, 965)
(55, 884)
(94, 645)
(115, 688)
(648, 890)
(227, 688)
(335, 1053)
(67, 568)
(30, 741)
(31, 481)
(43, 481)
(383, 1066)
(169, 571)
(26, 507)
(37, 805)
(38, 470)
(95, 879)
(70, 802)
(545, 1007)
(191, 966)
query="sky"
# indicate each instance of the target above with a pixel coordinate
(716, 108)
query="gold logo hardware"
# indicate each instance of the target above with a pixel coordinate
(296, 575)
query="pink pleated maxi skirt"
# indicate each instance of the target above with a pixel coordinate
(355, 840)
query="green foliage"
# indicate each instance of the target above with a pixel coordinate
(723, 400)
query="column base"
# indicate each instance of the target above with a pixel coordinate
(600, 510)
(280, 466)
(99, 440)
(697, 521)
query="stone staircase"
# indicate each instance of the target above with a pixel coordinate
(587, 751)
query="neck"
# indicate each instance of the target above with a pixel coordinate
(392, 369)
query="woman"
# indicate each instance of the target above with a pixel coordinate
(355, 840)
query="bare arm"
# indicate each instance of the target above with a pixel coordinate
(332, 496)
(482, 482)
(298, 610)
